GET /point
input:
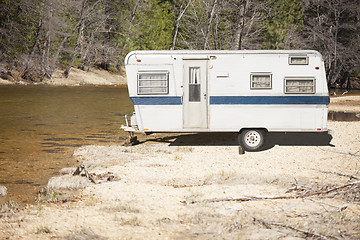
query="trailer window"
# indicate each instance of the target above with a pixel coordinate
(260, 80)
(153, 82)
(299, 85)
(298, 60)
(194, 84)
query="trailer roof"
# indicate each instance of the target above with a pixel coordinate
(216, 52)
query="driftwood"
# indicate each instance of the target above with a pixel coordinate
(101, 178)
(81, 168)
(307, 233)
(257, 198)
(340, 208)
(339, 174)
(343, 153)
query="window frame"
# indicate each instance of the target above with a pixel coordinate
(298, 56)
(154, 73)
(286, 79)
(260, 74)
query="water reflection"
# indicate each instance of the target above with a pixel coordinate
(344, 116)
(41, 126)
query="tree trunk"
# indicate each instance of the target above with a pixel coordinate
(177, 22)
(57, 53)
(132, 17)
(236, 44)
(84, 54)
(79, 39)
(206, 42)
(28, 60)
(134, 12)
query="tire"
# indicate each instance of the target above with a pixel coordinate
(252, 139)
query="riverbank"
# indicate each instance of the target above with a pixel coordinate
(77, 77)
(199, 187)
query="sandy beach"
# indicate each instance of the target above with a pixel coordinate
(198, 186)
(77, 77)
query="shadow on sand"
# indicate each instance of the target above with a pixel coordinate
(230, 139)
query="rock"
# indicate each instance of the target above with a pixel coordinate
(68, 182)
(68, 170)
(112, 177)
(3, 191)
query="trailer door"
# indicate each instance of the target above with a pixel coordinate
(195, 94)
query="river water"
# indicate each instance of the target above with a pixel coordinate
(40, 126)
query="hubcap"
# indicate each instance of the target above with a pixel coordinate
(252, 138)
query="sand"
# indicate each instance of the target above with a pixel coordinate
(345, 104)
(76, 77)
(165, 191)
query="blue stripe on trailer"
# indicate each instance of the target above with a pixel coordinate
(255, 100)
(269, 100)
(156, 100)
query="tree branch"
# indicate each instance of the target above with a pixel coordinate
(307, 233)
(257, 198)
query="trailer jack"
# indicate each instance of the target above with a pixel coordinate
(132, 139)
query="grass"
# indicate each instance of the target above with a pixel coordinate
(160, 221)
(185, 149)
(234, 224)
(220, 177)
(120, 208)
(9, 206)
(46, 195)
(134, 221)
(50, 195)
(43, 229)
(84, 233)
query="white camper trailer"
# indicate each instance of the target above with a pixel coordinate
(247, 92)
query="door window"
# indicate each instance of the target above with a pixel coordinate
(194, 84)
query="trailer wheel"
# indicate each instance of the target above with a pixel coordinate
(252, 139)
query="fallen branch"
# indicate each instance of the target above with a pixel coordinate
(257, 198)
(81, 168)
(340, 208)
(339, 174)
(343, 153)
(307, 233)
(341, 187)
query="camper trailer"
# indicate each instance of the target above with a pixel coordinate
(247, 92)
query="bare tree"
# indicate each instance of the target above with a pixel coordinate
(79, 39)
(211, 17)
(86, 13)
(333, 28)
(242, 7)
(181, 12)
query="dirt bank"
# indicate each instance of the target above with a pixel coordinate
(94, 77)
(199, 187)
(77, 77)
(345, 104)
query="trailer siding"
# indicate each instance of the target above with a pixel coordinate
(233, 102)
